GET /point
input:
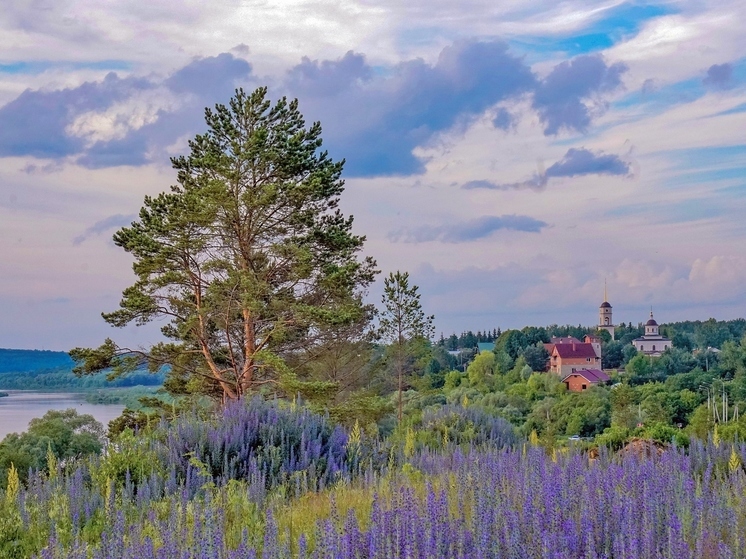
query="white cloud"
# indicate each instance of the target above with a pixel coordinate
(677, 47)
(643, 274)
(719, 271)
(694, 124)
(115, 122)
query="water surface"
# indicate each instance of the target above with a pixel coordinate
(21, 406)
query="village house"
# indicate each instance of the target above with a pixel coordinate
(569, 358)
(594, 341)
(568, 355)
(583, 379)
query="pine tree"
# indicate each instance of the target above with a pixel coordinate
(248, 256)
(402, 321)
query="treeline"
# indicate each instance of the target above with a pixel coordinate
(703, 334)
(63, 379)
(25, 369)
(468, 339)
(24, 360)
(131, 397)
(689, 334)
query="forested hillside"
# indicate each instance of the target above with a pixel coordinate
(23, 360)
(24, 369)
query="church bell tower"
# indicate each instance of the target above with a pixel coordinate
(605, 320)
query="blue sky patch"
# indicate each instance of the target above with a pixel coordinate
(735, 191)
(39, 66)
(613, 26)
(711, 175)
(696, 158)
(732, 111)
(677, 212)
(655, 98)
(690, 210)
(628, 18)
(706, 165)
(573, 45)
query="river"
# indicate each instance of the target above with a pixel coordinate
(21, 406)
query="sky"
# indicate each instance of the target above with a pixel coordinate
(511, 156)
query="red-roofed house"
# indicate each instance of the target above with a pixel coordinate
(568, 358)
(564, 340)
(560, 340)
(583, 379)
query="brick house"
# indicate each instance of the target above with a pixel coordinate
(553, 341)
(568, 358)
(583, 379)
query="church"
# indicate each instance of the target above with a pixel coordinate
(651, 343)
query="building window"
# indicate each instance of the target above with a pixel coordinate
(606, 320)
(583, 386)
(653, 348)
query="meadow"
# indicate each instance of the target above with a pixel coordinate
(265, 480)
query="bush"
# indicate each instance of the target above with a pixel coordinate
(666, 434)
(130, 459)
(260, 442)
(613, 438)
(460, 425)
(64, 434)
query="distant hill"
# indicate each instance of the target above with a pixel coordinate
(52, 370)
(27, 360)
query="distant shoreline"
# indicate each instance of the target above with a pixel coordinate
(5, 392)
(127, 396)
